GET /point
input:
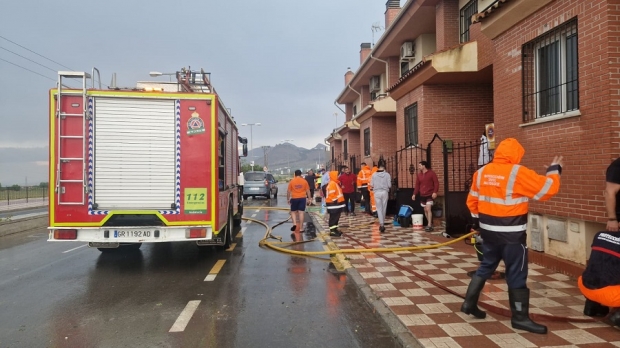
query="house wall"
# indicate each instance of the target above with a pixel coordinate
(454, 112)
(383, 142)
(447, 24)
(588, 142)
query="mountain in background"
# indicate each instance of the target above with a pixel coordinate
(282, 156)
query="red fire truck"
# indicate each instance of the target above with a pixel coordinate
(154, 163)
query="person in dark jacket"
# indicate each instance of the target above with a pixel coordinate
(348, 183)
(602, 275)
(600, 282)
(310, 178)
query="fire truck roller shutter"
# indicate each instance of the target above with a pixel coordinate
(134, 153)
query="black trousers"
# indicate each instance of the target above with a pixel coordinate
(349, 199)
(515, 259)
(334, 217)
(366, 195)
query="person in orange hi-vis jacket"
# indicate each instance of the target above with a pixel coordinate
(334, 203)
(373, 204)
(363, 179)
(498, 202)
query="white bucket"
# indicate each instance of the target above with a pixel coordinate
(418, 221)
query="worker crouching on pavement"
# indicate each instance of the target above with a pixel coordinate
(600, 282)
(498, 199)
(334, 203)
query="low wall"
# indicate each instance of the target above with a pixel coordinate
(23, 225)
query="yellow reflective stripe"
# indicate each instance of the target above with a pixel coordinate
(474, 215)
(473, 193)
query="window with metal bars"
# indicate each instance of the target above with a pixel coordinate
(467, 11)
(550, 72)
(367, 142)
(411, 125)
(345, 147)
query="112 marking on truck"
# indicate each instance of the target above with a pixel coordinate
(154, 163)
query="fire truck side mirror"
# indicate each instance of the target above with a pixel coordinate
(244, 148)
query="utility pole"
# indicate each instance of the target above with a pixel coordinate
(265, 152)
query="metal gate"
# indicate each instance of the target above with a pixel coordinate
(460, 162)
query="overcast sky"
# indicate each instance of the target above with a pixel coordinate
(277, 62)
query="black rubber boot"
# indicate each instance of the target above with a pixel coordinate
(615, 318)
(470, 306)
(520, 306)
(595, 309)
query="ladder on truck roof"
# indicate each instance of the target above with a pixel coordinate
(71, 115)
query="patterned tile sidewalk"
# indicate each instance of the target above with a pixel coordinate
(410, 284)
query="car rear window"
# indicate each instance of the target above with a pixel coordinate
(254, 176)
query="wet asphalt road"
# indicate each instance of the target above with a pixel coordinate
(67, 295)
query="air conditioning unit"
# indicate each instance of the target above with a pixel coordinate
(375, 84)
(407, 50)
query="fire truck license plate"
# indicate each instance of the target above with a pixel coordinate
(133, 233)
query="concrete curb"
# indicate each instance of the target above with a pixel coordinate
(396, 327)
(23, 225)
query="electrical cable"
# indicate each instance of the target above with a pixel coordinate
(32, 71)
(28, 59)
(29, 50)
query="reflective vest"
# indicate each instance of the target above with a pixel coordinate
(501, 190)
(363, 177)
(335, 198)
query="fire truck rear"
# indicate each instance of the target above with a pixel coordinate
(155, 163)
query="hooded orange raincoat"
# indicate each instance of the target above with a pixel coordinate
(501, 190)
(335, 198)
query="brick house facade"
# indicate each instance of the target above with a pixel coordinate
(543, 71)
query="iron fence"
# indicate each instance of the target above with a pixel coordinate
(20, 195)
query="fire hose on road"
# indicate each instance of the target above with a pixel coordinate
(380, 252)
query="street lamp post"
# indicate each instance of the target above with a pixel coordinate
(157, 74)
(251, 126)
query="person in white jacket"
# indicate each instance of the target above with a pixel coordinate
(380, 184)
(484, 156)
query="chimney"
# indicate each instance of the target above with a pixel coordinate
(348, 76)
(364, 51)
(392, 8)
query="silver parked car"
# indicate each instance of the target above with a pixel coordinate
(259, 184)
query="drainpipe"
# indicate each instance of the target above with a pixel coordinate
(339, 108)
(387, 70)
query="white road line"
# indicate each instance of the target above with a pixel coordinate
(257, 210)
(81, 246)
(185, 316)
(210, 277)
(253, 215)
(240, 234)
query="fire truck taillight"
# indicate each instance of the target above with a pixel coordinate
(65, 234)
(196, 233)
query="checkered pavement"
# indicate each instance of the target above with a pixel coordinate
(409, 283)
